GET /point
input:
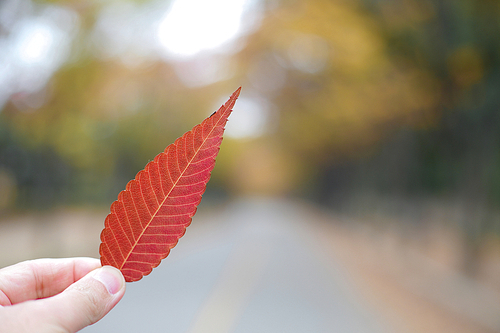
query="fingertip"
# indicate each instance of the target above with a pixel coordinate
(111, 278)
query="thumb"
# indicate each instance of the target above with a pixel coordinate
(86, 301)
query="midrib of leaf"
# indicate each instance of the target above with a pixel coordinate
(167, 195)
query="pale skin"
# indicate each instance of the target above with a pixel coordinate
(57, 295)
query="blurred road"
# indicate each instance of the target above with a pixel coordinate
(276, 265)
(255, 267)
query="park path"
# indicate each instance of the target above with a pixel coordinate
(276, 265)
(255, 266)
(273, 265)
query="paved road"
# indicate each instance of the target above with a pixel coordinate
(255, 266)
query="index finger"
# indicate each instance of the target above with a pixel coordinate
(41, 278)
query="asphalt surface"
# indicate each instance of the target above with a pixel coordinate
(254, 266)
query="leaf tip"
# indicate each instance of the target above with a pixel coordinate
(236, 93)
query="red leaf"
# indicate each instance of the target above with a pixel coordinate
(155, 208)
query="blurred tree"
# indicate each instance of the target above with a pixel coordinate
(326, 65)
(457, 41)
(394, 96)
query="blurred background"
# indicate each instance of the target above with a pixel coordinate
(366, 140)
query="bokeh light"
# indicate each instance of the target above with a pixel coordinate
(38, 45)
(192, 26)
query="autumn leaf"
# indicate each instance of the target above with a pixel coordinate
(155, 208)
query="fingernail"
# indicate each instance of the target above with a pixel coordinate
(110, 277)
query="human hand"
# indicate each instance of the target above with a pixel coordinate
(57, 295)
